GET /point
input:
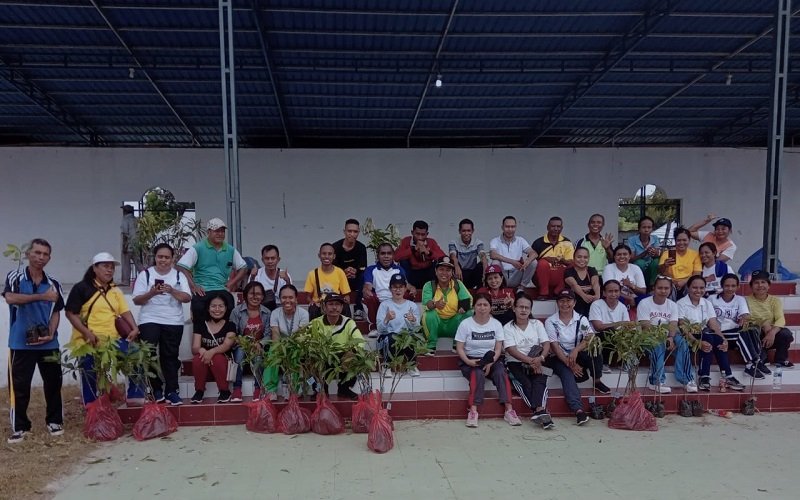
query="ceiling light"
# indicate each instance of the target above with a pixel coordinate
(438, 82)
(728, 79)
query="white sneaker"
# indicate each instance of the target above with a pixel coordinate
(55, 429)
(663, 389)
(414, 372)
(691, 386)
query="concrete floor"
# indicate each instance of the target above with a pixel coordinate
(746, 457)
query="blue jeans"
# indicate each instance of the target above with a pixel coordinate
(89, 378)
(572, 395)
(257, 368)
(683, 362)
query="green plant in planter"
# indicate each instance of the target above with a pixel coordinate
(358, 362)
(18, 254)
(397, 362)
(377, 236)
(629, 343)
(287, 354)
(139, 364)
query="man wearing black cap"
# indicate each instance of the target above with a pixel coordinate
(129, 251)
(767, 311)
(726, 248)
(342, 329)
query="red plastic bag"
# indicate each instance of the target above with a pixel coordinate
(262, 416)
(363, 411)
(154, 421)
(292, 419)
(102, 420)
(381, 436)
(630, 414)
(326, 419)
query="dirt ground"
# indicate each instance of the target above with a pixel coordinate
(29, 466)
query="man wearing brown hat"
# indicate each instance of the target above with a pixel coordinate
(128, 229)
(446, 301)
(342, 329)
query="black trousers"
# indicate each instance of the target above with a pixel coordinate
(167, 339)
(473, 278)
(21, 366)
(532, 387)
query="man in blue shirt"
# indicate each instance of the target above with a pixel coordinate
(35, 300)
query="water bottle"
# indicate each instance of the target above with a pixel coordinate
(777, 378)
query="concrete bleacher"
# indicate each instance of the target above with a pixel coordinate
(441, 391)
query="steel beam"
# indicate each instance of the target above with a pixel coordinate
(433, 67)
(230, 136)
(49, 105)
(611, 59)
(772, 197)
(140, 68)
(265, 51)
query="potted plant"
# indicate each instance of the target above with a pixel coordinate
(397, 362)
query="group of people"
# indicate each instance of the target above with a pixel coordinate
(478, 296)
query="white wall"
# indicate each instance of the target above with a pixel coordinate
(71, 195)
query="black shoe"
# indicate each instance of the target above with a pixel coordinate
(581, 417)
(705, 384)
(224, 397)
(345, 392)
(786, 365)
(685, 408)
(543, 418)
(763, 368)
(734, 384)
(198, 397)
(697, 409)
(601, 388)
(754, 372)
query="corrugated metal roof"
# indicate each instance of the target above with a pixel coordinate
(361, 73)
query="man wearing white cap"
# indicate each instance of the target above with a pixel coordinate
(208, 265)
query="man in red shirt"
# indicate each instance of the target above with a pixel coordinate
(417, 254)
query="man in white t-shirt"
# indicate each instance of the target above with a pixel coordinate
(271, 276)
(514, 253)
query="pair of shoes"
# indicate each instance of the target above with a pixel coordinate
(581, 417)
(606, 369)
(256, 393)
(602, 388)
(786, 365)
(224, 397)
(346, 392)
(544, 419)
(690, 386)
(17, 437)
(158, 395)
(705, 384)
(697, 409)
(198, 397)
(413, 371)
(55, 429)
(663, 389)
(358, 315)
(754, 372)
(511, 417)
(733, 383)
(685, 408)
(174, 399)
(236, 397)
(763, 368)
(472, 419)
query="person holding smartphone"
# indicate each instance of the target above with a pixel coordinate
(680, 263)
(161, 293)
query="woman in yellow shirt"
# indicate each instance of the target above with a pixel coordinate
(92, 306)
(681, 263)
